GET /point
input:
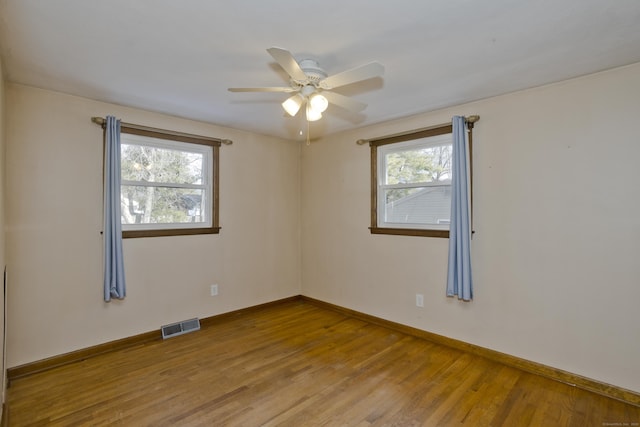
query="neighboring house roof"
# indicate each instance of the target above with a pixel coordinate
(431, 205)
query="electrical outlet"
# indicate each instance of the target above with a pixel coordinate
(214, 290)
(419, 300)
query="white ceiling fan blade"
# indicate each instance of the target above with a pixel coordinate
(344, 102)
(363, 72)
(288, 63)
(262, 89)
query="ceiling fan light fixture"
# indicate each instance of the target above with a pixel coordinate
(318, 102)
(292, 104)
(312, 114)
(312, 87)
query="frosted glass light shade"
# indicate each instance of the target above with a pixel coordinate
(292, 105)
(313, 115)
(318, 102)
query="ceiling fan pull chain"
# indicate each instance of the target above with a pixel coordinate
(308, 137)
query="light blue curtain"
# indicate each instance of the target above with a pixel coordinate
(459, 278)
(114, 280)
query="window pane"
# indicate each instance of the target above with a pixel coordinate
(153, 164)
(427, 164)
(423, 205)
(162, 205)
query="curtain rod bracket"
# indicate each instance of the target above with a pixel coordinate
(471, 120)
(98, 120)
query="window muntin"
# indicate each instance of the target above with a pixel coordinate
(414, 183)
(168, 186)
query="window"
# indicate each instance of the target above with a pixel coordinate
(411, 183)
(169, 183)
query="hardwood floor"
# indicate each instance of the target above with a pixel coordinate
(296, 364)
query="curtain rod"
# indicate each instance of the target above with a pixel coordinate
(100, 121)
(469, 119)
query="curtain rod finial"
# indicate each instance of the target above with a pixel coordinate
(361, 141)
(472, 119)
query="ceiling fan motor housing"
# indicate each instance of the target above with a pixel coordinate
(312, 70)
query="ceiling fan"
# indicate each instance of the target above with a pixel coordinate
(312, 87)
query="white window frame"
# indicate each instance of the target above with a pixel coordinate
(207, 177)
(416, 144)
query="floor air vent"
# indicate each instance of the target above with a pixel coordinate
(180, 328)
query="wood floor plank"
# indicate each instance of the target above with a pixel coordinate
(297, 364)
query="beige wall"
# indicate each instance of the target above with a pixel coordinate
(54, 218)
(555, 254)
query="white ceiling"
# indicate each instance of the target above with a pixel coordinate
(179, 57)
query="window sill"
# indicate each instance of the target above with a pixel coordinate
(132, 234)
(410, 232)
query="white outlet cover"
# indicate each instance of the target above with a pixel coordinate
(214, 290)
